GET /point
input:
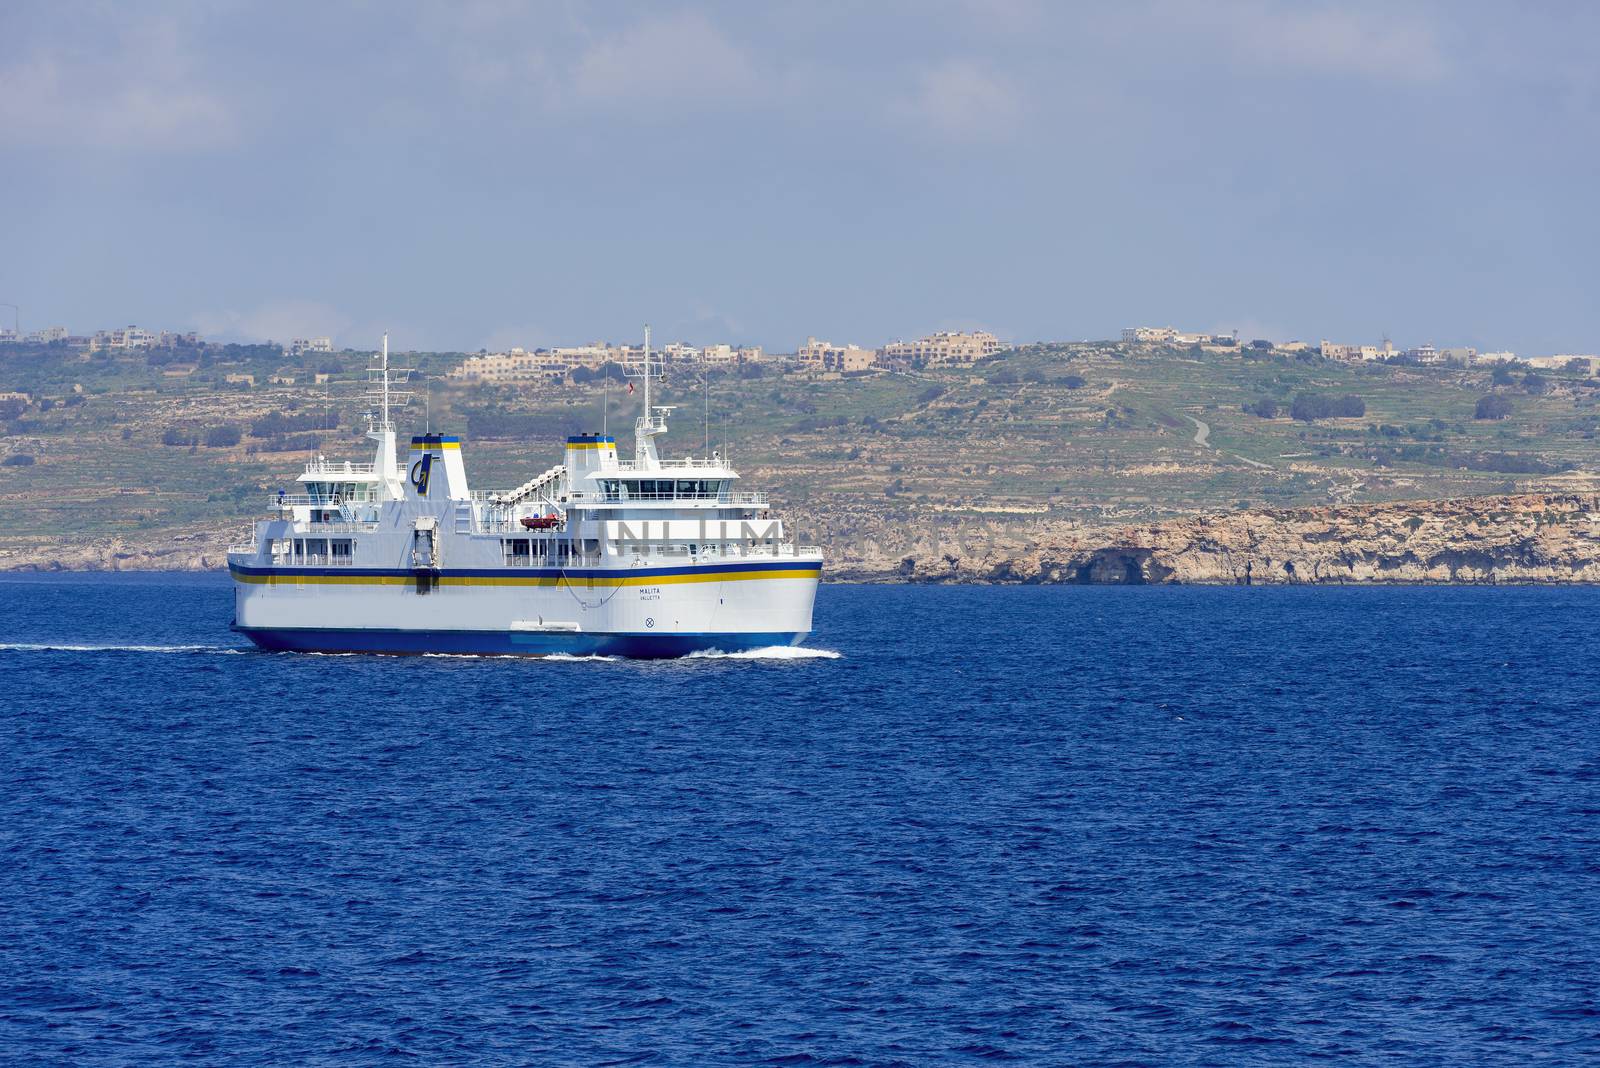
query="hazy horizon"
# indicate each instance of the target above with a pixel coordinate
(488, 174)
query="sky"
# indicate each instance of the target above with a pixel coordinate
(485, 173)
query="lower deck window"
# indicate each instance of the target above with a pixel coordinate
(517, 552)
(532, 552)
(316, 552)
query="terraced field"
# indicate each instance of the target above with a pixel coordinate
(1091, 432)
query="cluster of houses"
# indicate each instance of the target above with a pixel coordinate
(134, 338)
(1385, 351)
(524, 365)
(1461, 356)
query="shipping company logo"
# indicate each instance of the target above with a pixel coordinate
(419, 473)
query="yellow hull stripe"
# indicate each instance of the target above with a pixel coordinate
(583, 581)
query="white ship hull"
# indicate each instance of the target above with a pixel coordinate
(639, 611)
(641, 557)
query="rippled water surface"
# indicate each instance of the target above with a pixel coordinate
(1141, 826)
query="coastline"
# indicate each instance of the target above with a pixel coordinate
(1516, 539)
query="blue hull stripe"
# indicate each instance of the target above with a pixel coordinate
(503, 643)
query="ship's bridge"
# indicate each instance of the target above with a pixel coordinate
(703, 482)
(326, 481)
(331, 491)
(710, 486)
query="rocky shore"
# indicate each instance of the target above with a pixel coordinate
(1525, 538)
(1532, 538)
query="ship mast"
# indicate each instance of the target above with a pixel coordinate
(654, 419)
(380, 426)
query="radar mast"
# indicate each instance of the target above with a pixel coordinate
(653, 421)
(382, 396)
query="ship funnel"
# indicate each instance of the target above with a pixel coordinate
(436, 472)
(587, 453)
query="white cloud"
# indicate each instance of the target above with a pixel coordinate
(663, 62)
(961, 99)
(143, 94)
(557, 63)
(1380, 44)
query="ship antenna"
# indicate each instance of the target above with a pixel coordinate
(649, 424)
(386, 379)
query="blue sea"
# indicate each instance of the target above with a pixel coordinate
(1034, 825)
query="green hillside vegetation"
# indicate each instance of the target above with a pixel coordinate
(1093, 431)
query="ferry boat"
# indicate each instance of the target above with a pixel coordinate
(598, 555)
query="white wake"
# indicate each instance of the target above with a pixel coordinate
(62, 647)
(771, 652)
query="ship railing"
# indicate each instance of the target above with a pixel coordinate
(687, 464)
(512, 526)
(320, 560)
(320, 529)
(339, 467)
(245, 543)
(747, 498)
(722, 550)
(314, 500)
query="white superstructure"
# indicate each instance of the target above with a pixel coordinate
(642, 556)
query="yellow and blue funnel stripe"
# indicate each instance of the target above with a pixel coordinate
(429, 442)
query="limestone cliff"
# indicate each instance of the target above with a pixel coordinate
(1524, 538)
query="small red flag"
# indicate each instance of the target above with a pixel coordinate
(630, 387)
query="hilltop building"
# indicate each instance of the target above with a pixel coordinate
(1584, 364)
(514, 366)
(1333, 351)
(9, 336)
(522, 365)
(302, 345)
(129, 337)
(1166, 335)
(945, 347)
(817, 355)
